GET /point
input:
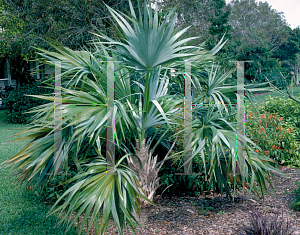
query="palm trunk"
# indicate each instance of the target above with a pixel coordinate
(147, 175)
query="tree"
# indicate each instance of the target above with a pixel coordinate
(289, 53)
(69, 22)
(219, 21)
(257, 32)
(207, 18)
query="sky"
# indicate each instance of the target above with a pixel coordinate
(290, 9)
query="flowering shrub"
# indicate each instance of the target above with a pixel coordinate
(270, 133)
(288, 109)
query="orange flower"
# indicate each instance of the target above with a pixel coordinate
(256, 151)
(266, 152)
(281, 137)
(263, 116)
(274, 147)
(291, 151)
(281, 118)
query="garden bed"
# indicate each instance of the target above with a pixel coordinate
(214, 214)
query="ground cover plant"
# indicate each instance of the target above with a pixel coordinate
(267, 225)
(147, 48)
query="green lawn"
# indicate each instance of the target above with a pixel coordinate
(21, 211)
(293, 91)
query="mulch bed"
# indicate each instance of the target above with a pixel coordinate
(185, 215)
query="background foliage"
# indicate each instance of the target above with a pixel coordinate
(17, 103)
(25, 23)
(255, 31)
(274, 133)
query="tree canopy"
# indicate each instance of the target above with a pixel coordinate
(69, 22)
(254, 30)
(257, 32)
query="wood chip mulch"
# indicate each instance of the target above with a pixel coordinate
(214, 214)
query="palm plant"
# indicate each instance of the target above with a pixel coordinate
(146, 50)
(215, 138)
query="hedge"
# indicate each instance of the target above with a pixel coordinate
(17, 103)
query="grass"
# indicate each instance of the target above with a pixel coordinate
(21, 211)
(294, 91)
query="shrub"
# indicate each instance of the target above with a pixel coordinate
(272, 75)
(270, 132)
(53, 189)
(266, 225)
(191, 185)
(17, 103)
(288, 109)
